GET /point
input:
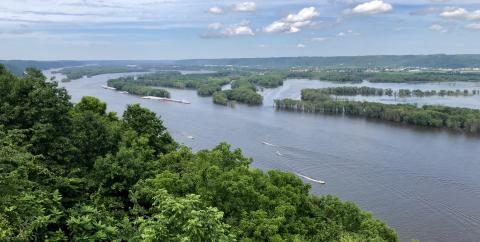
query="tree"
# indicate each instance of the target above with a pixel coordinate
(146, 123)
(182, 219)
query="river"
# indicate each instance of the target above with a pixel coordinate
(425, 183)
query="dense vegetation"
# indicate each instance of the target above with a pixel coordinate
(244, 88)
(241, 95)
(463, 119)
(125, 84)
(371, 91)
(242, 91)
(205, 84)
(359, 75)
(78, 173)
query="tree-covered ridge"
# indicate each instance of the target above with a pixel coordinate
(313, 101)
(429, 61)
(79, 173)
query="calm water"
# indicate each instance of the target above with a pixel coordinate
(424, 183)
(292, 88)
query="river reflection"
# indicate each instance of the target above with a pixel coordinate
(423, 182)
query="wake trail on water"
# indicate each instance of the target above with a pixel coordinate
(436, 205)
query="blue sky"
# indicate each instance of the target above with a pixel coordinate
(181, 29)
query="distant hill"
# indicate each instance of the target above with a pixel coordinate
(431, 61)
(18, 66)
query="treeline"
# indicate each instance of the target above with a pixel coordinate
(420, 93)
(73, 73)
(359, 75)
(371, 91)
(463, 119)
(351, 91)
(125, 84)
(432, 61)
(79, 173)
(205, 83)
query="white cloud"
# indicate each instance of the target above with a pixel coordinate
(347, 33)
(217, 30)
(371, 8)
(318, 39)
(438, 28)
(475, 26)
(293, 23)
(238, 30)
(215, 26)
(216, 10)
(461, 13)
(245, 7)
(302, 16)
(301, 46)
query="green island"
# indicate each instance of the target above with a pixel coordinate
(372, 91)
(314, 101)
(126, 84)
(243, 90)
(79, 173)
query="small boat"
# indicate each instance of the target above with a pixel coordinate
(123, 92)
(108, 88)
(310, 179)
(153, 98)
(165, 99)
(190, 137)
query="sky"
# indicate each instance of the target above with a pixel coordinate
(181, 29)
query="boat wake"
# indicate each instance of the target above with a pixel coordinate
(310, 179)
(269, 144)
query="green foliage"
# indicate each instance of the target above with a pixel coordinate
(220, 98)
(126, 84)
(205, 84)
(359, 75)
(208, 89)
(315, 101)
(242, 95)
(96, 177)
(432, 61)
(145, 123)
(182, 219)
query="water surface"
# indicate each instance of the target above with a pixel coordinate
(425, 183)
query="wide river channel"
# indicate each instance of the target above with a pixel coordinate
(423, 182)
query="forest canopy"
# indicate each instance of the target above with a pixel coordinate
(76, 172)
